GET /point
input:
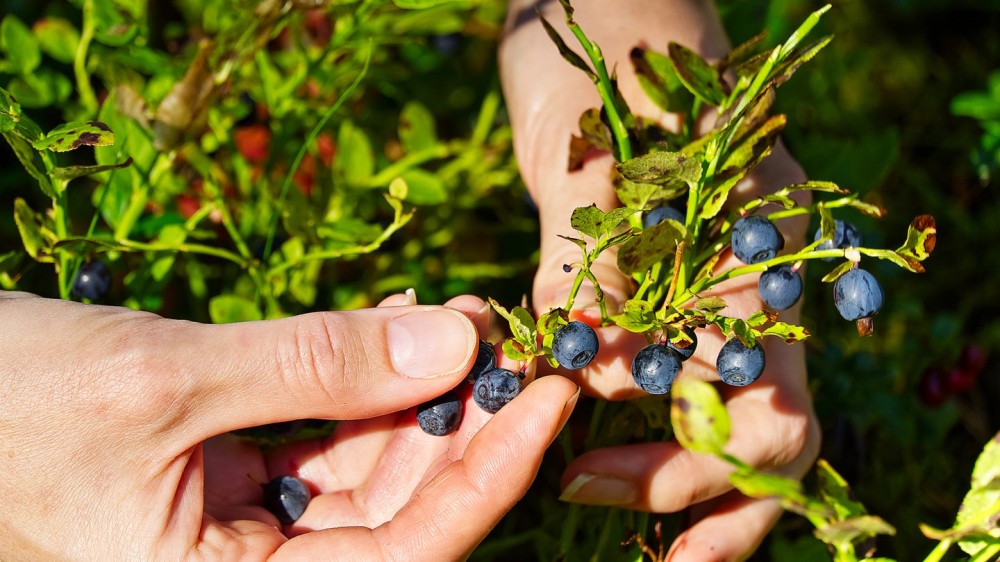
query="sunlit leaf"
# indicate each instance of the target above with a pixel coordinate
(23, 53)
(650, 246)
(661, 168)
(698, 416)
(659, 80)
(699, 77)
(57, 38)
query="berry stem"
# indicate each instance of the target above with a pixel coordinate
(678, 256)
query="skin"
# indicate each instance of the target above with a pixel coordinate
(113, 439)
(774, 426)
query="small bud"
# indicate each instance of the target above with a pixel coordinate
(567, 267)
(853, 254)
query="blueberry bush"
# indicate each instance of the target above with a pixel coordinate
(231, 160)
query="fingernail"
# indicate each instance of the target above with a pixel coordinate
(594, 489)
(431, 343)
(568, 408)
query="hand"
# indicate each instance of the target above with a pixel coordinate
(113, 445)
(774, 427)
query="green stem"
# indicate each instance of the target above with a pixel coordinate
(137, 203)
(844, 553)
(83, 87)
(577, 282)
(61, 220)
(605, 89)
(286, 185)
(939, 551)
(987, 554)
(184, 247)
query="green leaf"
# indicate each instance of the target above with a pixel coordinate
(827, 224)
(31, 226)
(641, 196)
(660, 81)
(417, 130)
(787, 68)
(759, 318)
(743, 52)
(755, 145)
(921, 237)
(513, 349)
(10, 260)
(838, 271)
(851, 530)
(790, 333)
(836, 493)
(744, 332)
(116, 26)
(637, 316)
(57, 38)
(31, 161)
(982, 503)
(74, 135)
(661, 168)
(424, 188)
(42, 88)
(23, 53)
(568, 54)
(588, 220)
(421, 4)
(799, 34)
(580, 243)
(10, 112)
(699, 418)
(522, 324)
(867, 208)
(355, 160)
(699, 77)
(789, 491)
(594, 130)
(225, 309)
(615, 217)
(549, 322)
(73, 172)
(650, 246)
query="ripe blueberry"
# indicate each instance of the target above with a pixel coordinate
(486, 360)
(738, 364)
(441, 415)
(780, 286)
(756, 239)
(286, 497)
(685, 353)
(660, 214)
(655, 367)
(92, 281)
(574, 345)
(845, 235)
(857, 295)
(495, 388)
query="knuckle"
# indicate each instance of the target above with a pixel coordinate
(322, 356)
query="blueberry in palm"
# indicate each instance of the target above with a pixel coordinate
(574, 345)
(660, 214)
(486, 360)
(494, 389)
(286, 497)
(780, 286)
(92, 281)
(845, 235)
(655, 367)
(685, 353)
(858, 296)
(739, 365)
(441, 415)
(756, 239)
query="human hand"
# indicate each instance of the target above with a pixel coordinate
(112, 437)
(774, 427)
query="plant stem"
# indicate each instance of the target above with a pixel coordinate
(986, 554)
(83, 87)
(939, 551)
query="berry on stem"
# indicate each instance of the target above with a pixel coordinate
(756, 239)
(660, 214)
(655, 367)
(494, 389)
(780, 287)
(845, 235)
(286, 497)
(739, 365)
(441, 415)
(858, 296)
(92, 281)
(574, 345)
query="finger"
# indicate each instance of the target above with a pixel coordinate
(732, 529)
(773, 427)
(455, 510)
(334, 365)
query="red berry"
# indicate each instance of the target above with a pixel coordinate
(253, 142)
(972, 359)
(933, 387)
(959, 380)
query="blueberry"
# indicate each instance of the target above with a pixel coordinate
(655, 367)
(495, 388)
(574, 345)
(660, 214)
(441, 415)
(486, 360)
(738, 364)
(286, 497)
(92, 281)
(685, 353)
(845, 235)
(756, 239)
(779, 287)
(857, 295)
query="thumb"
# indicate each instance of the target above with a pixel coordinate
(329, 365)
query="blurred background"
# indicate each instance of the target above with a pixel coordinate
(903, 107)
